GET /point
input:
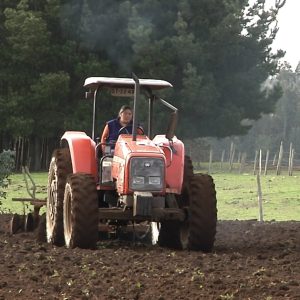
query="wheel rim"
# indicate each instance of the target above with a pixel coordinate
(29, 222)
(67, 215)
(52, 203)
(15, 224)
(52, 200)
(60, 168)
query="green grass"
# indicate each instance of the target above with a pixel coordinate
(17, 189)
(236, 194)
(237, 197)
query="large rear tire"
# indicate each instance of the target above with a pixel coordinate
(188, 170)
(199, 230)
(59, 169)
(188, 173)
(81, 212)
(173, 234)
(202, 213)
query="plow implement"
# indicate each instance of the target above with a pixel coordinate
(27, 221)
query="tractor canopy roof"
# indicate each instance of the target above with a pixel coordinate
(109, 82)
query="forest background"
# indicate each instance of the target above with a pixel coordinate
(216, 53)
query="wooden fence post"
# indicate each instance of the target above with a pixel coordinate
(279, 159)
(274, 159)
(222, 159)
(292, 162)
(210, 161)
(232, 158)
(230, 152)
(255, 160)
(259, 197)
(259, 163)
(266, 163)
(290, 159)
(243, 160)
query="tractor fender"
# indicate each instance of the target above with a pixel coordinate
(175, 163)
(82, 151)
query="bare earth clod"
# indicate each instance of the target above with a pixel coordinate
(251, 260)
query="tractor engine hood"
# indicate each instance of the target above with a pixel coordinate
(138, 165)
(142, 145)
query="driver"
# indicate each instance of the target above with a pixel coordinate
(111, 130)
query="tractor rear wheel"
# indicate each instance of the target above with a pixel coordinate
(202, 213)
(188, 170)
(173, 234)
(188, 173)
(59, 169)
(81, 212)
(199, 230)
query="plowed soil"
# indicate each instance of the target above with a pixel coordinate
(251, 260)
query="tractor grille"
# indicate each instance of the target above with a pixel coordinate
(146, 174)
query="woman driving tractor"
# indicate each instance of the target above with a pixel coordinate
(122, 124)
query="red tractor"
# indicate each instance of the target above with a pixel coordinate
(139, 180)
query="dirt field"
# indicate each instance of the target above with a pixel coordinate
(250, 261)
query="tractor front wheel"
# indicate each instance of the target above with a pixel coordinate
(81, 211)
(59, 169)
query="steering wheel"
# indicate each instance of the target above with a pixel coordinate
(124, 130)
(128, 130)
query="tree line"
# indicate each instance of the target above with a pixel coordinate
(216, 53)
(280, 126)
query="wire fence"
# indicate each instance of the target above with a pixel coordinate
(232, 160)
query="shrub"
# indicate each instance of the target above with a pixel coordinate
(7, 164)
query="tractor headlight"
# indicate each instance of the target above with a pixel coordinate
(138, 180)
(146, 174)
(154, 180)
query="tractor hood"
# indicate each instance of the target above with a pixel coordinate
(142, 145)
(140, 159)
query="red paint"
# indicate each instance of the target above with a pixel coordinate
(82, 150)
(124, 150)
(174, 170)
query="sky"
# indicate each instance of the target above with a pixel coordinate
(288, 37)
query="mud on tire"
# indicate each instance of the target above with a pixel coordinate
(202, 213)
(172, 233)
(59, 169)
(199, 230)
(81, 211)
(188, 173)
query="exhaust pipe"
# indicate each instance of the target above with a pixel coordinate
(135, 105)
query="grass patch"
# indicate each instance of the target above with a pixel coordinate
(236, 194)
(17, 189)
(237, 197)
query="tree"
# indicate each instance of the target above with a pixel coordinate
(216, 53)
(6, 169)
(283, 125)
